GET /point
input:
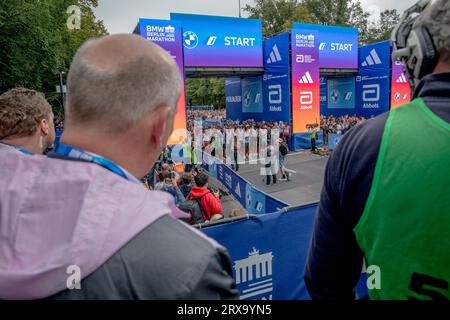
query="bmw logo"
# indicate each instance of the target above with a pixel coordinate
(247, 98)
(334, 95)
(397, 96)
(190, 40)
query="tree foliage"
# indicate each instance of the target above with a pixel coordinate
(36, 44)
(205, 91)
(278, 15)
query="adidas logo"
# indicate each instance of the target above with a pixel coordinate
(372, 59)
(275, 55)
(401, 79)
(306, 79)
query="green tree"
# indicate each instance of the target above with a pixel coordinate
(206, 91)
(278, 15)
(383, 28)
(35, 43)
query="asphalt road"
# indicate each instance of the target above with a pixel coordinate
(305, 185)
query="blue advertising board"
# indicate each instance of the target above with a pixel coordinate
(338, 45)
(374, 79)
(212, 41)
(233, 96)
(323, 94)
(276, 79)
(269, 253)
(252, 99)
(333, 140)
(341, 93)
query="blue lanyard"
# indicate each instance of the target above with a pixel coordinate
(18, 148)
(76, 153)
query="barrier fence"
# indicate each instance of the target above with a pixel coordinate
(269, 249)
(251, 198)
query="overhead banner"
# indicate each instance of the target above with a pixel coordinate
(168, 35)
(373, 80)
(276, 79)
(269, 253)
(233, 98)
(338, 46)
(400, 88)
(305, 79)
(211, 41)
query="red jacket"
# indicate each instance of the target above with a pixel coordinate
(210, 203)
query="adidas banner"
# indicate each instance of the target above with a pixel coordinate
(373, 80)
(276, 79)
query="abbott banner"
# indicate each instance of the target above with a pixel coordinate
(373, 80)
(305, 79)
(276, 79)
(167, 34)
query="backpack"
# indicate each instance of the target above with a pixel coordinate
(196, 211)
(283, 150)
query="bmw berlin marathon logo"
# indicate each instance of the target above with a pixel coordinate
(190, 40)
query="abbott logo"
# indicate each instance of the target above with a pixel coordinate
(372, 59)
(371, 92)
(211, 41)
(306, 97)
(275, 94)
(274, 56)
(306, 79)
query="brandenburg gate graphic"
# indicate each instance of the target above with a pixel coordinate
(256, 272)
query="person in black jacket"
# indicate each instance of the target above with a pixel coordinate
(335, 257)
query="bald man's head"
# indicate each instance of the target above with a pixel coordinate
(115, 81)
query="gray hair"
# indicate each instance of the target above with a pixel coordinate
(436, 19)
(116, 97)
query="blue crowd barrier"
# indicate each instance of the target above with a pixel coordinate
(269, 253)
(251, 198)
(333, 140)
(301, 141)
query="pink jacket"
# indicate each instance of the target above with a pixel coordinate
(57, 213)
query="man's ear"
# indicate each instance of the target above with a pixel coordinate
(44, 127)
(162, 125)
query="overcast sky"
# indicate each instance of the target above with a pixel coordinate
(121, 16)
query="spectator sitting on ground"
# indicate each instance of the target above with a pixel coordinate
(209, 201)
(26, 121)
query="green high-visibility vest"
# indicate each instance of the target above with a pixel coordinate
(405, 226)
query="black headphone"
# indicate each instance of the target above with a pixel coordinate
(414, 45)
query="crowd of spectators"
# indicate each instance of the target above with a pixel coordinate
(338, 125)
